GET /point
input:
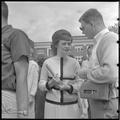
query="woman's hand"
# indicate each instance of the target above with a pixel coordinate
(65, 87)
(52, 83)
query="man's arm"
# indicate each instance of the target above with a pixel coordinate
(107, 72)
(21, 68)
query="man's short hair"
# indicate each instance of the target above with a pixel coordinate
(4, 10)
(92, 15)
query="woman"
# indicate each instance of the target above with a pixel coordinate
(59, 79)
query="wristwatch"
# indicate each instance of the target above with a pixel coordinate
(23, 112)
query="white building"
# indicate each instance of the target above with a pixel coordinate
(79, 46)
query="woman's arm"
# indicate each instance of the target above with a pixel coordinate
(43, 78)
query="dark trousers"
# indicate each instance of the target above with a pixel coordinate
(103, 109)
(89, 114)
(39, 104)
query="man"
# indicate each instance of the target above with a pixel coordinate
(15, 52)
(104, 60)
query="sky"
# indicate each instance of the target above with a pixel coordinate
(41, 19)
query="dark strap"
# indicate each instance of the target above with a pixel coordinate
(59, 103)
(61, 77)
(61, 68)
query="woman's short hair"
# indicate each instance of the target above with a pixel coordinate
(57, 36)
(5, 10)
(92, 15)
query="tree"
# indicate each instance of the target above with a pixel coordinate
(114, 28)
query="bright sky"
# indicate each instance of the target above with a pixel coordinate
(41, 19)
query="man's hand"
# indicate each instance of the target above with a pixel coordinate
(83, 73)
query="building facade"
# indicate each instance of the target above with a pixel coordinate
(79, 47)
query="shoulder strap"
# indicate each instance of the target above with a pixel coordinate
(61, 77)
(61, 68)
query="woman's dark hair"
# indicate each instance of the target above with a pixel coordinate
(57, 36)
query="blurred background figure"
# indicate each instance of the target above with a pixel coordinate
(86, 59)
(40, 95)
(85, 66)
(32, 78)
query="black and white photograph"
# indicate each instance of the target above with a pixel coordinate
(60, 59)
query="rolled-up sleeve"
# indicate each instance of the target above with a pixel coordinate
(20, 45)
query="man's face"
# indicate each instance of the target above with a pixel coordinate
(87, 29)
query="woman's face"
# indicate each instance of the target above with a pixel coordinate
(63, 46)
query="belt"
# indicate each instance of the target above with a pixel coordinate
(9, 89)
(61, 103)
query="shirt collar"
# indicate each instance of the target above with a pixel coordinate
(100, 34)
